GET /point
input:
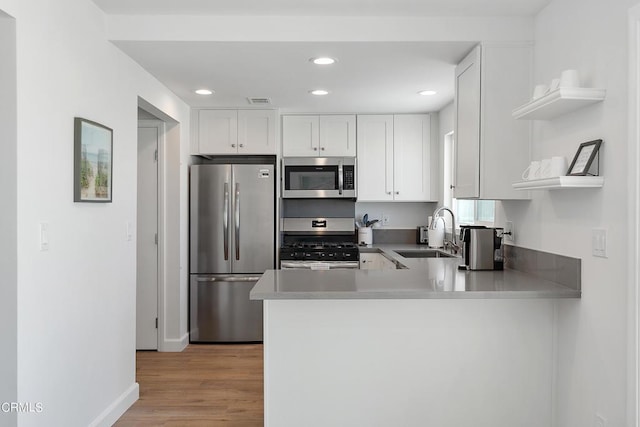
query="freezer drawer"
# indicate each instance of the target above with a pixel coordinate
(221, 311)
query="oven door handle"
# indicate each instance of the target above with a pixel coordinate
(340, 178)
(318, 265)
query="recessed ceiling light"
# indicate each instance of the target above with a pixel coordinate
(319, 92)
(204, 92)
(427, 92)
(323, 60)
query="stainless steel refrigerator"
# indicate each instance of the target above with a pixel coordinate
(232, 242)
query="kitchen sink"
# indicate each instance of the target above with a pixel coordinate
(423, 253)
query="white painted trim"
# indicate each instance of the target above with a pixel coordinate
(174, 345)
(633, 338)
(119, 406)
(161, 262)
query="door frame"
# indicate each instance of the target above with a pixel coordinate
(633, 337)
(160, 126)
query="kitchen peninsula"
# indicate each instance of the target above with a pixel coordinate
(425, 345)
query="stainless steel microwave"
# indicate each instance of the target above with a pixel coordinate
(319, 177)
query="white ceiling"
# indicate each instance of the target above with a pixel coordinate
(369, 77)
(325, 7)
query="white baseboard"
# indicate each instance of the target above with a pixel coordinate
(174, 345)
(110, 415)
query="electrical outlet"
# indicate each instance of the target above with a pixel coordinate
(599, 421)
(384, 219)
(599, 242)
(44, 236)
(509, 234)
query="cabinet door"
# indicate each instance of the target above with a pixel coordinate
(217, 131)
(300, 136)
(375, 158)
(412, 157)
(504, 141)
(338, 136)
(467, 127)
(256, 132)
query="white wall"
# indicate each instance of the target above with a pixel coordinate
(446, 124)
(8, 218)
(591, 373)
(76, 302)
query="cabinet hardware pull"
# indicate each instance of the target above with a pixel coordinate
(315, 148)
(233, 145)
(241, 145)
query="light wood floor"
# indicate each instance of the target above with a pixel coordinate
(205, 385)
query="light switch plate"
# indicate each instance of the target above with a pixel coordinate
(599, 242)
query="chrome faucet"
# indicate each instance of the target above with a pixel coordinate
(438, 212)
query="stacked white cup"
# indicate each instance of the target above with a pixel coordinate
(546, 168)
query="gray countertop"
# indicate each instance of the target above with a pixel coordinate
(437, 278)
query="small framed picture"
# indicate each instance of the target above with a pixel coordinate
(583, 160)
(93, 162)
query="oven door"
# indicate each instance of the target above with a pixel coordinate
(319, 265)
(321, 177)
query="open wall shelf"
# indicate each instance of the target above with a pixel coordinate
(558, 102)
(560, 182)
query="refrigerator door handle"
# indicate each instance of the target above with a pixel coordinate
(237, 221)
(225, 221)
(340, 178)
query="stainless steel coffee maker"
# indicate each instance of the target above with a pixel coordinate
(481, 247)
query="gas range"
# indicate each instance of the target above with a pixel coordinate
(320, 251)
(319, 244)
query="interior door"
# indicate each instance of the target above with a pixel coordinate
(253, 218)
(147, 244)
(467, 126)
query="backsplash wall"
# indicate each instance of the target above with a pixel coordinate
(401, 214)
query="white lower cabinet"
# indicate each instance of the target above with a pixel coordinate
(394, 158)
(235, 132)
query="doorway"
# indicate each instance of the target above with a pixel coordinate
(150, 135)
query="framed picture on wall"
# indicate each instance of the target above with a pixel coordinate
(583, 160)
(93, 162)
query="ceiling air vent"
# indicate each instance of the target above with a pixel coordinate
(259, 101)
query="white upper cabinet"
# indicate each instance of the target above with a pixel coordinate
(257, 132)
(338, 136)
(492, 148)
(324, 136)
(412, 157)
(236, 132)
(300, 136)
(375, 158)
(394, 157)
(217, 132)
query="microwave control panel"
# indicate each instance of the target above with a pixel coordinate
(349, 178)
